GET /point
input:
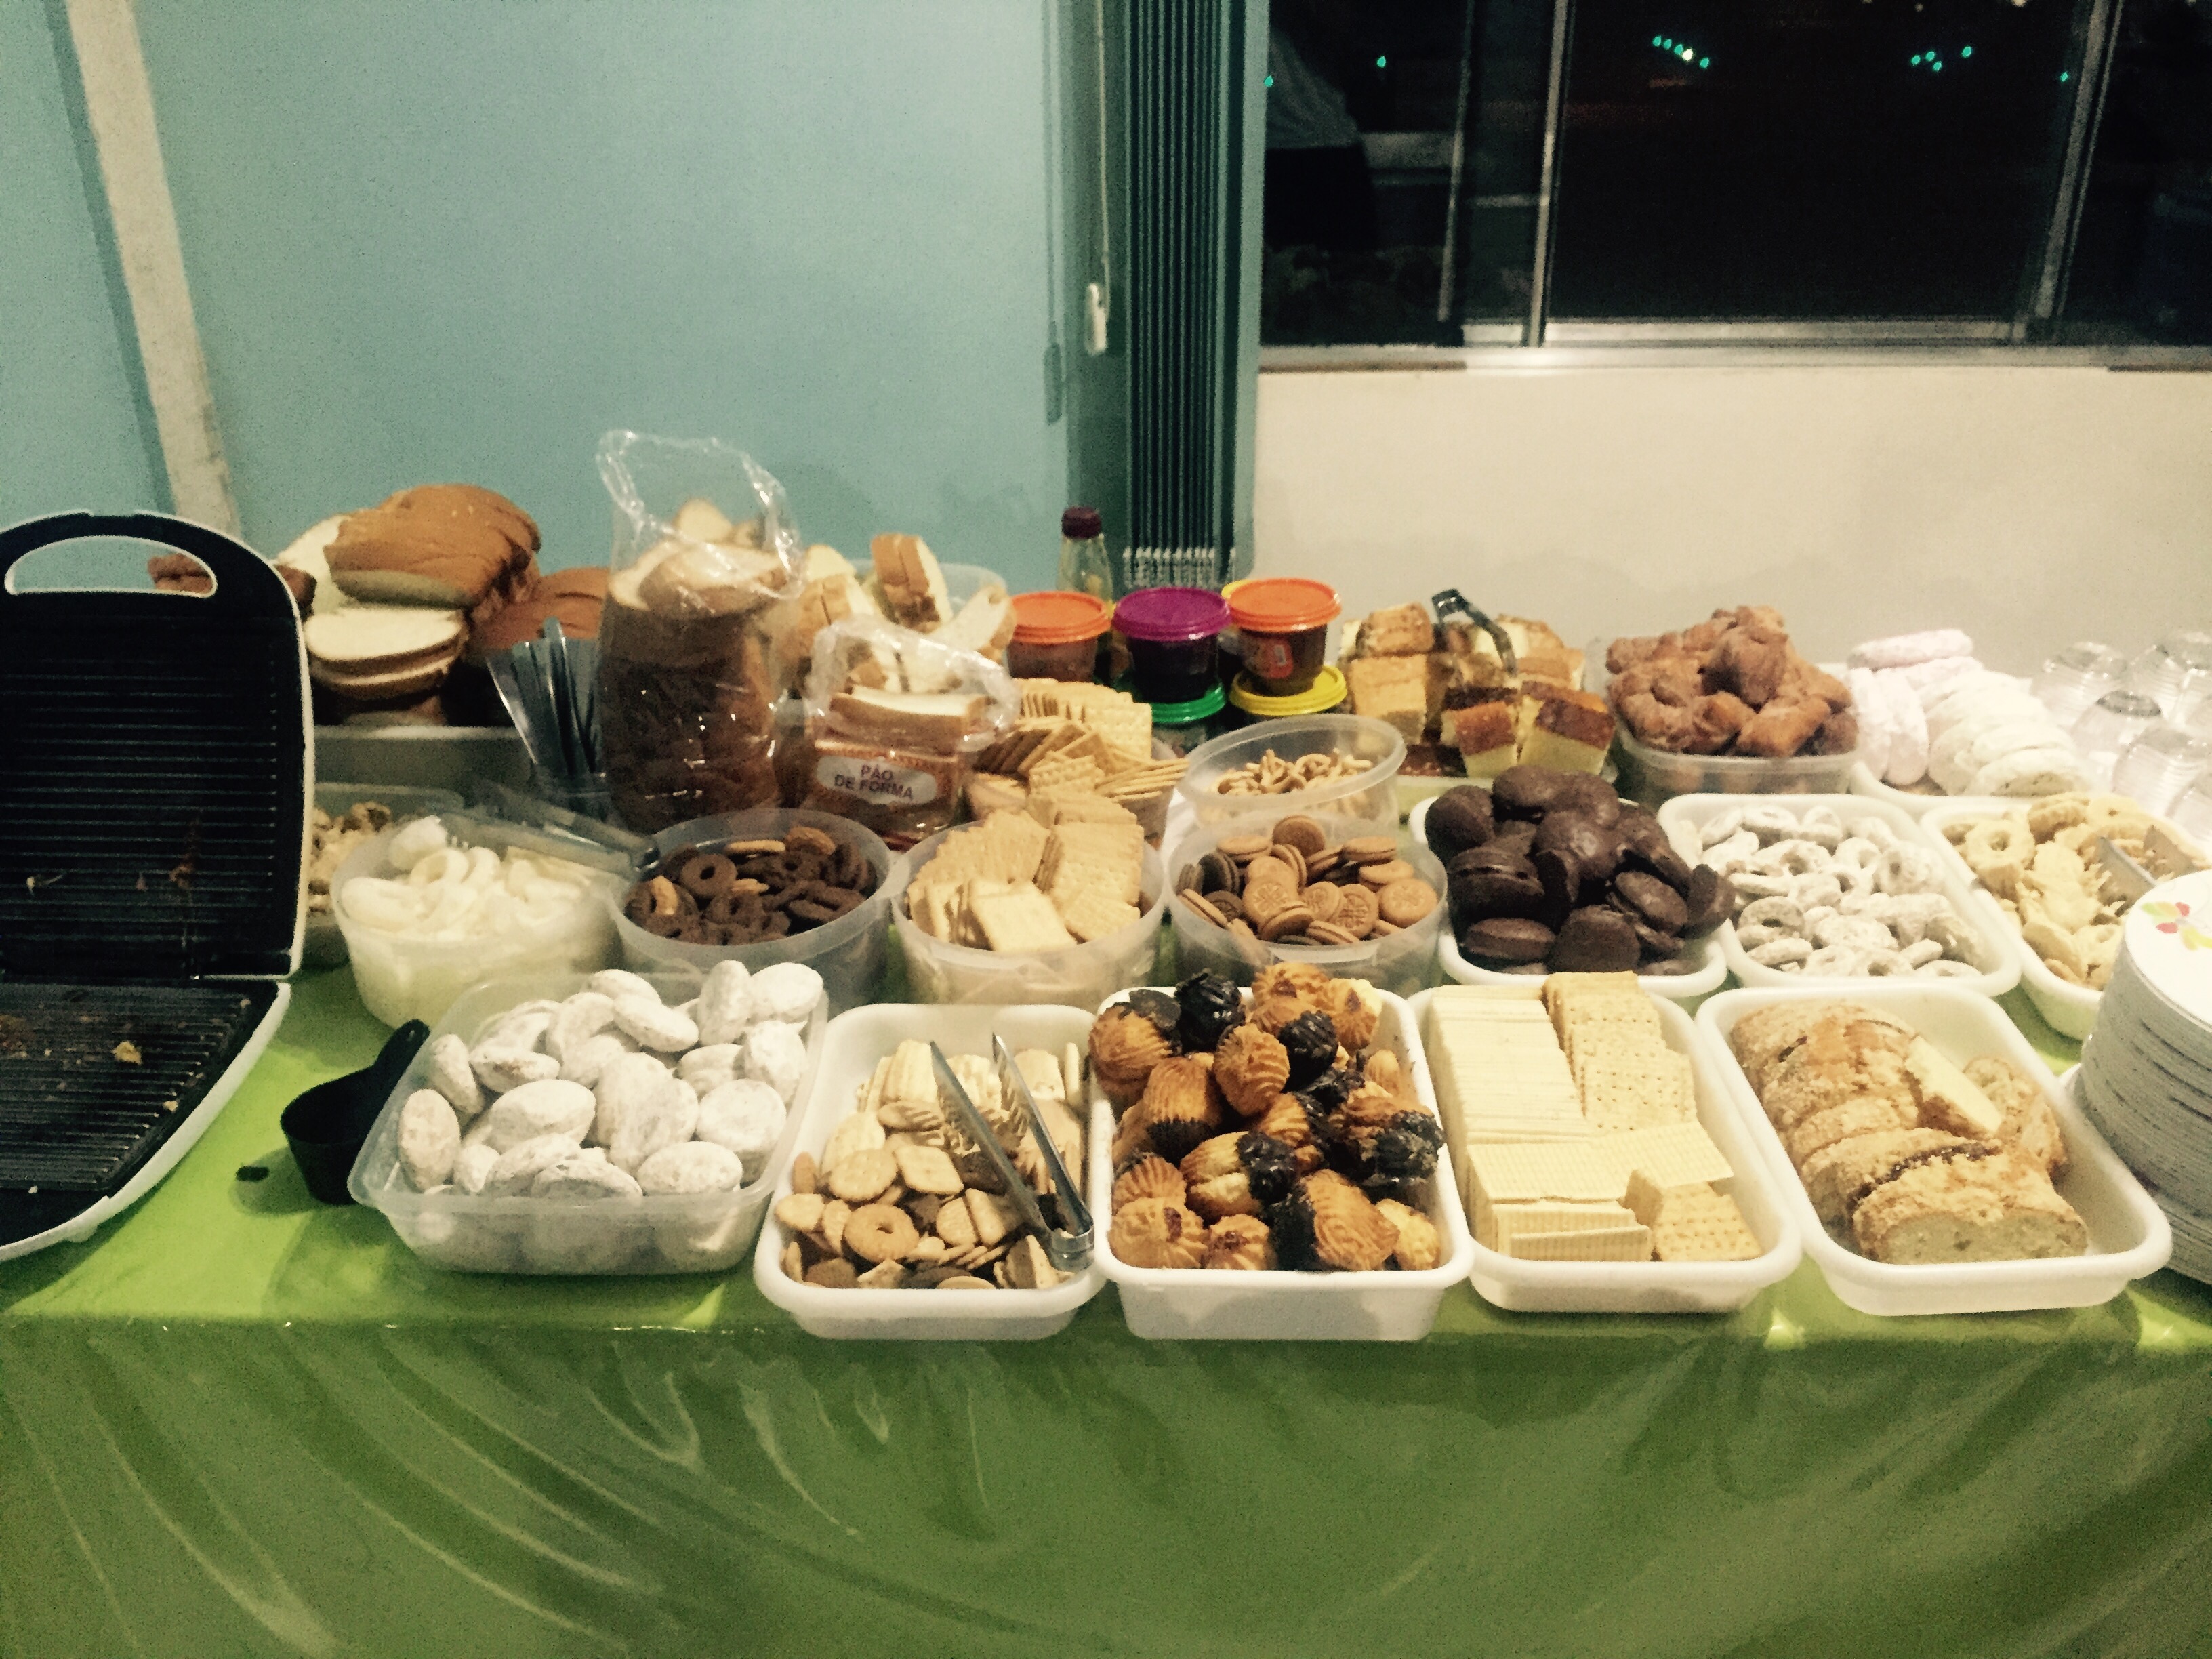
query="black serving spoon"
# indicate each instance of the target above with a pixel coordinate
(326, 1126)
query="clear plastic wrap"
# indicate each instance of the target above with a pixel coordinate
(892, 719)
(692, 645)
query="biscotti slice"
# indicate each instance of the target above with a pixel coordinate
(1949, 1099)
(1992, 1209)
(1765, 1035)
(1837, 1176)
(1866, 1115)
(2030, 1123)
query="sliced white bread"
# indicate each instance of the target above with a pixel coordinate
(306, 555)
(415, 681)
(380, 639)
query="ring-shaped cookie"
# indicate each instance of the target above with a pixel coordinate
(1997, 840)
(1786, 954)
(706, 875)
(1838, 961)
(1770, 823)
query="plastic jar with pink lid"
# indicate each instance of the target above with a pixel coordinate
(1171, 633)
(1285, 621)
(1056, 636)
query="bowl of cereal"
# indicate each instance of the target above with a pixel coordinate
(1331, 767)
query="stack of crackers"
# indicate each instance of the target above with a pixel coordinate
(1013, 883)
(1076, 740)
(1575, 1126)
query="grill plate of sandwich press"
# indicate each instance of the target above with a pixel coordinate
(155, 776)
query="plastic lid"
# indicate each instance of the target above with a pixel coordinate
(1188, 714)
(1054, 617)
(1283, 605)
(1081, 524)
(1167, 616)
(1324, 694)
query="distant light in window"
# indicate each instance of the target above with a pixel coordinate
(1381, 63)
(1704, 63)
(1269, 82)
(1965, 52)
(1675, 48)
(2065, 75)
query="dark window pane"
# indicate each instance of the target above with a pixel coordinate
(1363, 105)
(1809, 159)
(2143, 263)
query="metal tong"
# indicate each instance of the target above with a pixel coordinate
(1452, 602)
(1067, 1249)
(2130, 877)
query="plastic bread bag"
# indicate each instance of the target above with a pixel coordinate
(708, 567)
(893, 718)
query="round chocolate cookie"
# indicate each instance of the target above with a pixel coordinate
(1458, 819)
(1585, 792)
(1506, 940)
(1526, 792)
(1561, 872)
(1478, 895)
(1652, 899)
(1710, 897)
(1651, 854)
(1590, 843)
(1596, 939)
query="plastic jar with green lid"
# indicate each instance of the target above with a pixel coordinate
(1183, 726)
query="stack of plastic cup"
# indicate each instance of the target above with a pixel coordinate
(2192, 813)
(2159, 767)
(2112, 723)
(2175, 673)
(2073, 679)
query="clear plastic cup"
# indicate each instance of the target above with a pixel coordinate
(2159, 767)
(2075, 677)
(2176, 673)
(2112, 722)
(2192, 813)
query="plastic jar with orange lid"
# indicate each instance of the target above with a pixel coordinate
(1283, 623)
(1056, 636)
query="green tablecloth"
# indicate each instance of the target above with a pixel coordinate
(237, 1424)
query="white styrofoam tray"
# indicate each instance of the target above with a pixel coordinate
(1685, 818)
(660, 1233)
(2070, 1009)
(2129, 1237)
(1711, 969)
(1281, 1306)
(1655, 1287)
(856, 1040)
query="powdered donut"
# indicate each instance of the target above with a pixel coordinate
(1902, 650)
(1876, 724)
(1927, 676)
(1908, 741)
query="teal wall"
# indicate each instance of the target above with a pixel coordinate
(70, 433)
(459, 238)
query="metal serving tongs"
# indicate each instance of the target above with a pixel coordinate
(2130, 877)
(1451, 601)
(1067, 1249)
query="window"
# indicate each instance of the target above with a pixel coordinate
(1520, 172)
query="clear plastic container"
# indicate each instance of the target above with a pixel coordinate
(2129, 1237)
(2109, 725)
(1652, 775)
(1171, 633)
(1283, 623)
(1082, 977)
(856, 1043)
(1370, 797)
(1278, 1305)
(1711, 969)
(1660, 1287)
(1684, 820)
(849, 953)
(708, 1232)
(1401, 963)
(2073, 679)
(323, 944)
(402, 979)
(1056, 636)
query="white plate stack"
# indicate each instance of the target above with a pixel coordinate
(2146, 1076)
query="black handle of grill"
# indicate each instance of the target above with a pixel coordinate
(244, 581)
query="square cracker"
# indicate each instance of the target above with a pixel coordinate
(1019, 918)
(1093, 914)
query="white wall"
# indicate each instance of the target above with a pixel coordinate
(2032, 505)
